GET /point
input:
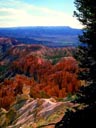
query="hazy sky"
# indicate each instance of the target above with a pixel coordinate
(37, 13)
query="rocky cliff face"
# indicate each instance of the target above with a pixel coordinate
(39, 72)
(34, 113)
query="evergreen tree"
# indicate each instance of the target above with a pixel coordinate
(86, 14)
(85, 117)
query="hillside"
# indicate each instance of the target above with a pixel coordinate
(32, 72)
(34, 113)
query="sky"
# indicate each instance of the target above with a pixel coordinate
(15, 13)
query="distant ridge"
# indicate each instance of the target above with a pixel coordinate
(52, 36)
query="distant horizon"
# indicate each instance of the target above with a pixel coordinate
(14, 13)
(37, 26)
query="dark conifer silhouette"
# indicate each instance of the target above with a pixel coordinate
(85, 117)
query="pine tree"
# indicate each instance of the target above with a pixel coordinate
(85, 117)
(86, 14)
